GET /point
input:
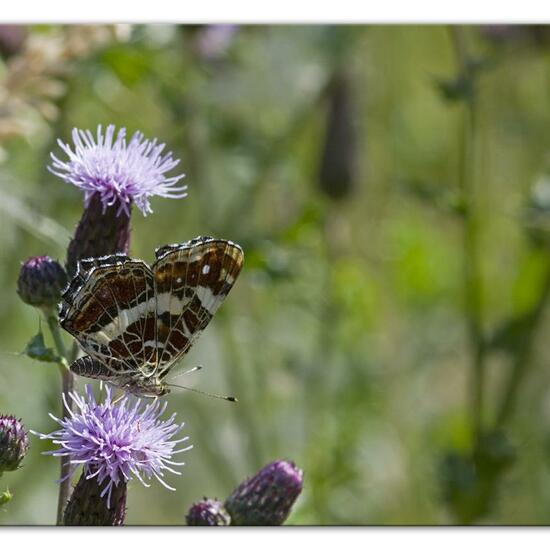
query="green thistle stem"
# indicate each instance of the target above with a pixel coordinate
(523, 357)
(56, 335)
(472, 262)
(67, 382)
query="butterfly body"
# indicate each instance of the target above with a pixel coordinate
(135, 321)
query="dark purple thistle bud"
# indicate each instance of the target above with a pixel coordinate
(208, 512)
(339, 156)
(87, 506)
(13, 443)
(41, 281)
(12, 40)
(267, 497)
(101, 231)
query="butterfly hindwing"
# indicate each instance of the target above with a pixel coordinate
(191, 282)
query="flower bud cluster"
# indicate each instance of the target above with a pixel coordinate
(264, 499)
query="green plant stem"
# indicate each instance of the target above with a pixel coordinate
(238, 386)
(523, 356)
(67, 382)
(521, 361)
(473, 291)
(319, 392)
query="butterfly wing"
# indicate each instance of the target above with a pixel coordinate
(137, 321)
(191, 282)
(109, 307)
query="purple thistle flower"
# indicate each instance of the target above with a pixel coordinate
(116, 441)
(119, 172)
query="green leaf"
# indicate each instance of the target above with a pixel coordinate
(129, 65)
(462, 88)
(458, 89)
(36, 349)
(5, 497)
(511, 334)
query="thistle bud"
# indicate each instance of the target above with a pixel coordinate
(339, 156)
(101, 231)
(88, 507)
(12, 40)
(13, 443)
(41, 281)
(267, 497)
(208, 512)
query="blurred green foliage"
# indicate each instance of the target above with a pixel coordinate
(346, 337)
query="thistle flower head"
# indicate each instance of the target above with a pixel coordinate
(13, 443)
(119, 172)
(208, 512)
(41, 281)
(117, 441)
(267, 497)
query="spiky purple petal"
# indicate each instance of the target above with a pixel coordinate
(120, 172)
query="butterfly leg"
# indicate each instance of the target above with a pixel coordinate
(121, 396)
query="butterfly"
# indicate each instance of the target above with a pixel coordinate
(135, 321)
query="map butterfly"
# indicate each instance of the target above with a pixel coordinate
(136, 321)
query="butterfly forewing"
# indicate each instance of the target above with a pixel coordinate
(112, 314)
(191, 282)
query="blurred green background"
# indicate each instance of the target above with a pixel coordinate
(390, 188)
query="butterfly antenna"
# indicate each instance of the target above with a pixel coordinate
(189, 371)
(217, 396)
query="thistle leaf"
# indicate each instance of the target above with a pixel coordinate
(36, 349)
(5, 497)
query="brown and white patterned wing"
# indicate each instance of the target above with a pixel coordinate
(109, 308)
(191, 282)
